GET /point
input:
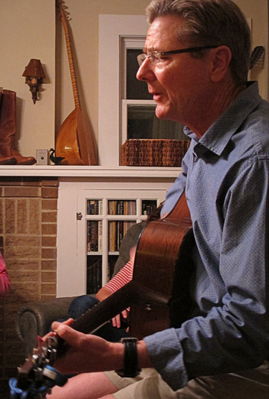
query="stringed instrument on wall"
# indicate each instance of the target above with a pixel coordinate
(75, 141)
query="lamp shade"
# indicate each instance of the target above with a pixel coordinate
(34, 69)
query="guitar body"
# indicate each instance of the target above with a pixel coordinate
(163, 266)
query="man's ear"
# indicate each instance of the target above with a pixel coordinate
(220, 62)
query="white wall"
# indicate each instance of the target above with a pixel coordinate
(258, 11)
(27, 30)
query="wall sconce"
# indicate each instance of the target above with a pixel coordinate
(34, 75)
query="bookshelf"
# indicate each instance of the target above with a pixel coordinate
(94, 215)
(107, 222)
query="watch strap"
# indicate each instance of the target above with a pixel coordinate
(130, 361)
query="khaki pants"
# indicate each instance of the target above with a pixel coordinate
(149, 385)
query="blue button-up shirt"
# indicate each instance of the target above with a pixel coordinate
(226, 178)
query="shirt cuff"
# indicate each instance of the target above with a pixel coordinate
(166, 354)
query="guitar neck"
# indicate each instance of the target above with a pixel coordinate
(99, 314)
(129, 295)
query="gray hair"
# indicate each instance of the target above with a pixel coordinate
(210, 22)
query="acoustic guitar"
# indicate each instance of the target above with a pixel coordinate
(158, 295)
(75, 141)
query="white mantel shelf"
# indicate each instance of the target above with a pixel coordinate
(87, 171)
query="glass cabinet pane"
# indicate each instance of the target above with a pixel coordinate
(94, 207)
(94, 235)
(148, 206)
(116, 231)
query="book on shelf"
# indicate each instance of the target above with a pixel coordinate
(126, 226)
(112, 207)
(112, 236)
(121, 207)
(153, 152)
(94, 207)
(148, 206)
(131, 207)
(94, 235)
(117, 230)
(100, 236)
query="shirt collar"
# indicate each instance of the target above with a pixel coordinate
(219, 134)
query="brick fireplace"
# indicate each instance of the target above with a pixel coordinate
(28, 225)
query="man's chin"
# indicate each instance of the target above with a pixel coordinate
(161, 113)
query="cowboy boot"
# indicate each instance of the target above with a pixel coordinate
(6, 160)
(8, 129)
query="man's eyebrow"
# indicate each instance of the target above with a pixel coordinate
(149, 50)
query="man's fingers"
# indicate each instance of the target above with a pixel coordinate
(56, 324)
(68, 334)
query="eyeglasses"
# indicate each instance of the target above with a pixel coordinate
(157, 56)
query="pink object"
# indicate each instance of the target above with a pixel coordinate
(4, 279)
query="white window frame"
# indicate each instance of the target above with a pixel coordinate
(112, 28)
(128, 43)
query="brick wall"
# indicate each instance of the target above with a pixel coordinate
(28, 224)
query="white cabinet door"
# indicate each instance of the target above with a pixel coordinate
(93, 216)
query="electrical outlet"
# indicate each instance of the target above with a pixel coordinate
(41, 157)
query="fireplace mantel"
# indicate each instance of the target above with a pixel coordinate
(87, 171)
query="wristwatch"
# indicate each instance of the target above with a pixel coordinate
(130, 361)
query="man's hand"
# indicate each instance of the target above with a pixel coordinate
(86, 352)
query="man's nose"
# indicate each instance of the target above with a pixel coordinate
(145, 72)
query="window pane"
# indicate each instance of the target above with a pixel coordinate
(143, 124)
(136, 90)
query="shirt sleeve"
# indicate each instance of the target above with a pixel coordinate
(233, 334)
(4, 279)
(123, 277)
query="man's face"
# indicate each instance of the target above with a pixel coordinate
(179, 83)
